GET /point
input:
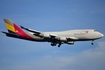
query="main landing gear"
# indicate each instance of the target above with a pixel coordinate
(54, 44)
(59, 44)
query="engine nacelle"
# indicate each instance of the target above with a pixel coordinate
(45, 35)
(63, 39)
(70, 42)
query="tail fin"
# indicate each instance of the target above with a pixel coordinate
(13, 28)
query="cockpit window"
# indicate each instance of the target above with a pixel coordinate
(95, 30)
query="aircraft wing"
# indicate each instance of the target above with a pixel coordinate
(30, 30)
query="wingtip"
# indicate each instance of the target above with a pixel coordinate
(21, 26)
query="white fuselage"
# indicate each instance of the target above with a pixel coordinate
(84, 34)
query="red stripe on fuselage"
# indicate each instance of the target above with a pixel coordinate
(20, 32)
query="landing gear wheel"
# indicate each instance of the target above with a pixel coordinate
(92, 42)
(59, 44)
(52, 44)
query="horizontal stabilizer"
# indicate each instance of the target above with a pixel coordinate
(3, 32)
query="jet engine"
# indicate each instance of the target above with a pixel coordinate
(44, 35)
(63, 39)
(70, 42)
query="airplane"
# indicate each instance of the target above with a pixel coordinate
(55, 38)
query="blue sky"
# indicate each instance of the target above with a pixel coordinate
(52, 15)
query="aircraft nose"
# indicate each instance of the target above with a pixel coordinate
(102, 34)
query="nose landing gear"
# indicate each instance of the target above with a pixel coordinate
(92, 42)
